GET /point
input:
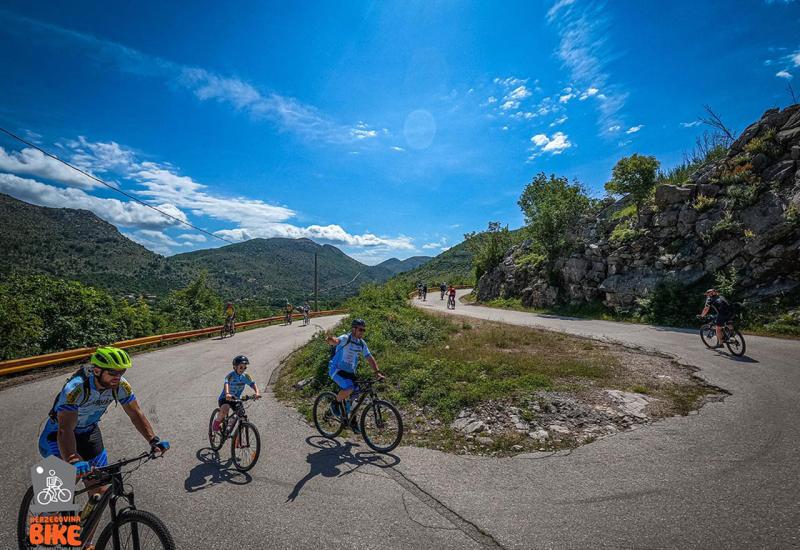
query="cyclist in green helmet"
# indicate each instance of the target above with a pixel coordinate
(72, 432)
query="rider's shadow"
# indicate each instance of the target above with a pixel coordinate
(210, 471)
(333, 454)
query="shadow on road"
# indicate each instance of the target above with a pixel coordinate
(211, 471)
(332, 454)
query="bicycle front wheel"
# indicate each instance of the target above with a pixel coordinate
(23, 523)
(381, 426)
(216, 439)
(708, 335)
(327, 422)
(137, 530)
(245, 447)
(735, 342)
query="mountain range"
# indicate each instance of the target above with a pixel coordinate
(77, 245)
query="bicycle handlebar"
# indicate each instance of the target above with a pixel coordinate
(99, 473)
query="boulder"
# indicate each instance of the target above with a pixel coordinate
(779, 173)
(666, 219)
(667, 195)
(708, 189)
(765, 213)
(575, 270)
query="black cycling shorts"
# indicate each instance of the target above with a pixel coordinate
(88, 444)
(722, 319)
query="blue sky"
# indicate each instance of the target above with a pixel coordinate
(384, 128)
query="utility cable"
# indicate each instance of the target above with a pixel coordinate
(118, 190)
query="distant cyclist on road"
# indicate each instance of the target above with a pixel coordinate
(230, 315)
(442, 290)
(306, 309)
(342, 366)
(288, 309)
(72, 432)
(424, 291)
(723, 310)
(451, 297)
(233, 386)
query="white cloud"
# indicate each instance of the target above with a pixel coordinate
(795, 58)
(582, 49)
(634, 129)
(691, 124)
(565, 98)
(784, 74)
(510, 82)
(334, 234)
(491, 100)
(519, 93)
(287, 113)
(34, 162)
(194, 237)
(362, 131)
(127, 214)
(614, 128)
(557, 122)
(510, 104)
(555, 145)
(504, 128)
(589, 93)
(527, 115)
(441, 244)
(396, 148)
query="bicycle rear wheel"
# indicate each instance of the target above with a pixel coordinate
(708, 335)
(381, 426)
(245, 447)
(216, 439)
(327, 423)
(735, 342)
(137, 530)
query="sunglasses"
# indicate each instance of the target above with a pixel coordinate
(113, 372)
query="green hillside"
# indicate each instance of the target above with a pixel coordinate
(77, 245)
(452, 266)
(396, 266)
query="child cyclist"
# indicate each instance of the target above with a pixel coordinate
(342, 366)
(233, 386)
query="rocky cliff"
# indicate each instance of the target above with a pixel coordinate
(738, 214)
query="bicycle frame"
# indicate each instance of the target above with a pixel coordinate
(369, 392)
(109, 498)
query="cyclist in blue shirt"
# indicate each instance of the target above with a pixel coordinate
(343, 364)
(233, 386)
(72, 432)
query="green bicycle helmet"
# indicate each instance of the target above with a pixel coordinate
(109, 357)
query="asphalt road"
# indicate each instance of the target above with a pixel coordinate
(726, 477)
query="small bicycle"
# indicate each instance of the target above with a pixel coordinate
(245, 439)
(732, 338)
(129, 527)
(381, 424)
(228, 329)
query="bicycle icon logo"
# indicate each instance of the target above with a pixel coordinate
(53, 483)
(54, 492)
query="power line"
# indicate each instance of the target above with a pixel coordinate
(118, 190)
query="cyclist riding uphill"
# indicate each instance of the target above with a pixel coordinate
(233, 386)
(72, 432)
(342, 366)
(723, 310)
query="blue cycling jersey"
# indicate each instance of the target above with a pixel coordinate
(347, 352)
(89, 413)
(236, 383)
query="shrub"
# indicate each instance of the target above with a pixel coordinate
(726, 225)
(742, 196)
(624, 233)
(726, 282)
(488, 248)
(670, 303)
(634, 176)
(792, 215)
(764, 143)
(703, 203)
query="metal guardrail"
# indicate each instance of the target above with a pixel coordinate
(26, 363)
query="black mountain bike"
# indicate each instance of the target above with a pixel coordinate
(228, 329)
(451, 302)
(732, 338)
(245, 439)
(381, 424)
(129, 527)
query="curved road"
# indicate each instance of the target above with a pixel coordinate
(726, 477)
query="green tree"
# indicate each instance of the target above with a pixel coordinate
(551, 206)
(488, 248)
(634, 176)
(195, 306)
